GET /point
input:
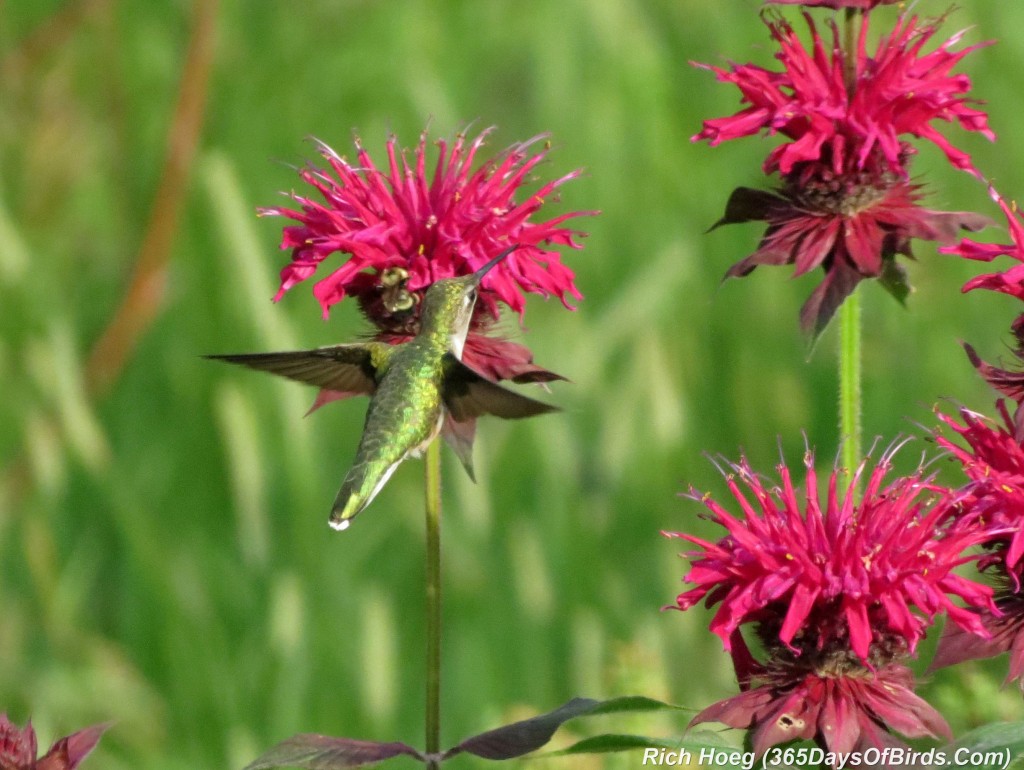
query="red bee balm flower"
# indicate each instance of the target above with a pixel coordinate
(994, 461)
(838, 593)
(403, 229)
(841, 704)
(850, 223)
(845, 203)
(848, 572)
(811, 101)
(1011, 281)
(18, 748)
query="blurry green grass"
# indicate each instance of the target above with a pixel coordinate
(166, 562)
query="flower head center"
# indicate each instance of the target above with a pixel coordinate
(819, 188)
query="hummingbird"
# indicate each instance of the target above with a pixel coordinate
(414, 388)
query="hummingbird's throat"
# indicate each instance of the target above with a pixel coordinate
(458, 340)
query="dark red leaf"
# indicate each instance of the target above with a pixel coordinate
(520, 738)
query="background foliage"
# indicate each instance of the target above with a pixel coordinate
(164, 556)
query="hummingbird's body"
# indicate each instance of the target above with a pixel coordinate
(414, 388)
(405, 414)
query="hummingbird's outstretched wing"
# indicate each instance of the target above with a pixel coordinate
(469, 395)
(347, 368)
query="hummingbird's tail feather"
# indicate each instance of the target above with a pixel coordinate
(355, 494)
(459, 436)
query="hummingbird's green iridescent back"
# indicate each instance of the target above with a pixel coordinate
(413, 387)
(407, 411)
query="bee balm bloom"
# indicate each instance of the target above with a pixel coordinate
(401, 228)
(846, 204)
(839, 591)
(994, 462)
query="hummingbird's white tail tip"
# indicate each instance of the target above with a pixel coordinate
(340, 525)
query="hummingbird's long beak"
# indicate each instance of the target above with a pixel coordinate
(483, 270)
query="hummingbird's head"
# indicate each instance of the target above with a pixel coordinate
(448, 304)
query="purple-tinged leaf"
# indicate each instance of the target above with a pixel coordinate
(310, 751)
(520, 738)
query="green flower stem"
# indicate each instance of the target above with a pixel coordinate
(849, 381)
(850, 33)
(849, 312)
(433, 504)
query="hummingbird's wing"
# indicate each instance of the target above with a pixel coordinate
(469, 395)
(347, 368)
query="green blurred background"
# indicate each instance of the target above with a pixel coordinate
(164, 556)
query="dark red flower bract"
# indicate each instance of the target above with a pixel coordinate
(18, 747)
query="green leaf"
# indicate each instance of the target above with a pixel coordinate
(990, 746)
(611, 742)
(665, 752)
(894, 280)
(630, 703)
(521, 738)
(310, 751)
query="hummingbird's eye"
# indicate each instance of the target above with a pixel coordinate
(471, 297)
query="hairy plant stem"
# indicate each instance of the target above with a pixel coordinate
(849, 382)
(433, 580)
(849, 312)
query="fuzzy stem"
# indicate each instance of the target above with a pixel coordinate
(850, 33)
(433, 505)
(849, 382)
(849, 312)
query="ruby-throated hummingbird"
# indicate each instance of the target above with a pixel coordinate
(413, 387)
